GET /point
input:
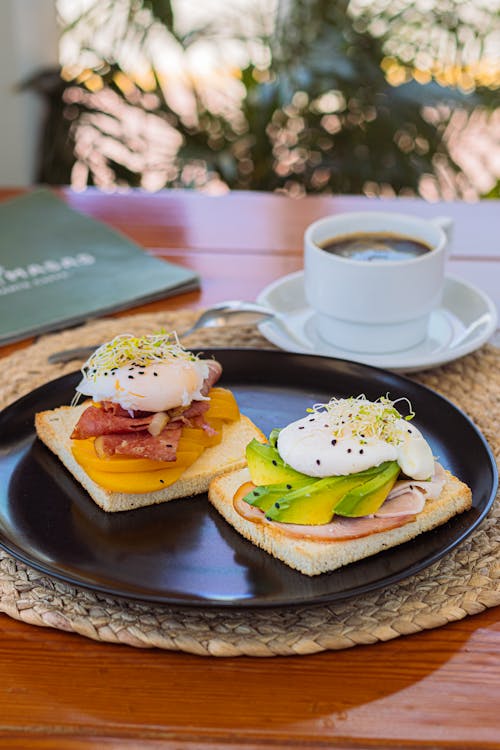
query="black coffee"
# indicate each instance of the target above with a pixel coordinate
(375, 246)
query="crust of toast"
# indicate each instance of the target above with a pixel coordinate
(314, 557)
(54, 429)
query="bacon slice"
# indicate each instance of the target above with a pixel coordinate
(119, 411)
(130, 436)
(163, 447)
(95, 421)
(214, 373)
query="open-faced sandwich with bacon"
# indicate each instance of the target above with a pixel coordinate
(156, 428)
(350, 479)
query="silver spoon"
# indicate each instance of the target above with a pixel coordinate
(232, 312)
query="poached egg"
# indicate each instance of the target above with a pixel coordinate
(144, 373)
(354, 434)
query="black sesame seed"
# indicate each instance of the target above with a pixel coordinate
(141, 372)
(312, 419)
(255, 493)
(409, 430)
(162, 481)
(277, 505)
(349, 450)
(289, 486)
(131, 377)
(155, 374)
(318, 461)
(275, 463)
(301, 428)
(169, 445)
(334, 442)
(361, 450)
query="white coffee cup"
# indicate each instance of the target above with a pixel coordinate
(376, 306)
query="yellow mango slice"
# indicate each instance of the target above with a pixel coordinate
(223, 405)
(127, 464)
(136, 482)
(122, 473)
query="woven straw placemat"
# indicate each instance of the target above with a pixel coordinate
(465, 582)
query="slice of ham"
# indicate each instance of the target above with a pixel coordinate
(339, 530)
(412, 501)
(188, 414)
(405, 501)
(410, 495)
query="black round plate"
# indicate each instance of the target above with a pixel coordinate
(183, 552)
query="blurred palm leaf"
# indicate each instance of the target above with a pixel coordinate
(321, 115)
(161, 10)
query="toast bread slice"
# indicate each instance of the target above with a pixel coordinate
(313, 557)
(54, 428)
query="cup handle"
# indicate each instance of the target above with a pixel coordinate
(446, 224)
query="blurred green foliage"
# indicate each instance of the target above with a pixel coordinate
(494, 192)
(321, 115)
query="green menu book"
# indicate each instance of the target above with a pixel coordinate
(59, 268)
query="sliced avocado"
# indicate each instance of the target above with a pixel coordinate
(273, 437)
(267, 467)
(265, 496)
(368, 497)
(315, 504)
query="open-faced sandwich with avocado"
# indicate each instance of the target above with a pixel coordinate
(156, 426)
(350, 479)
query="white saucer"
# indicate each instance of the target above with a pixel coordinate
(465, 321)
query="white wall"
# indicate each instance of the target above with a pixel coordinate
(28, 42)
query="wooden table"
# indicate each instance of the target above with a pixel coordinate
(440, 688)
